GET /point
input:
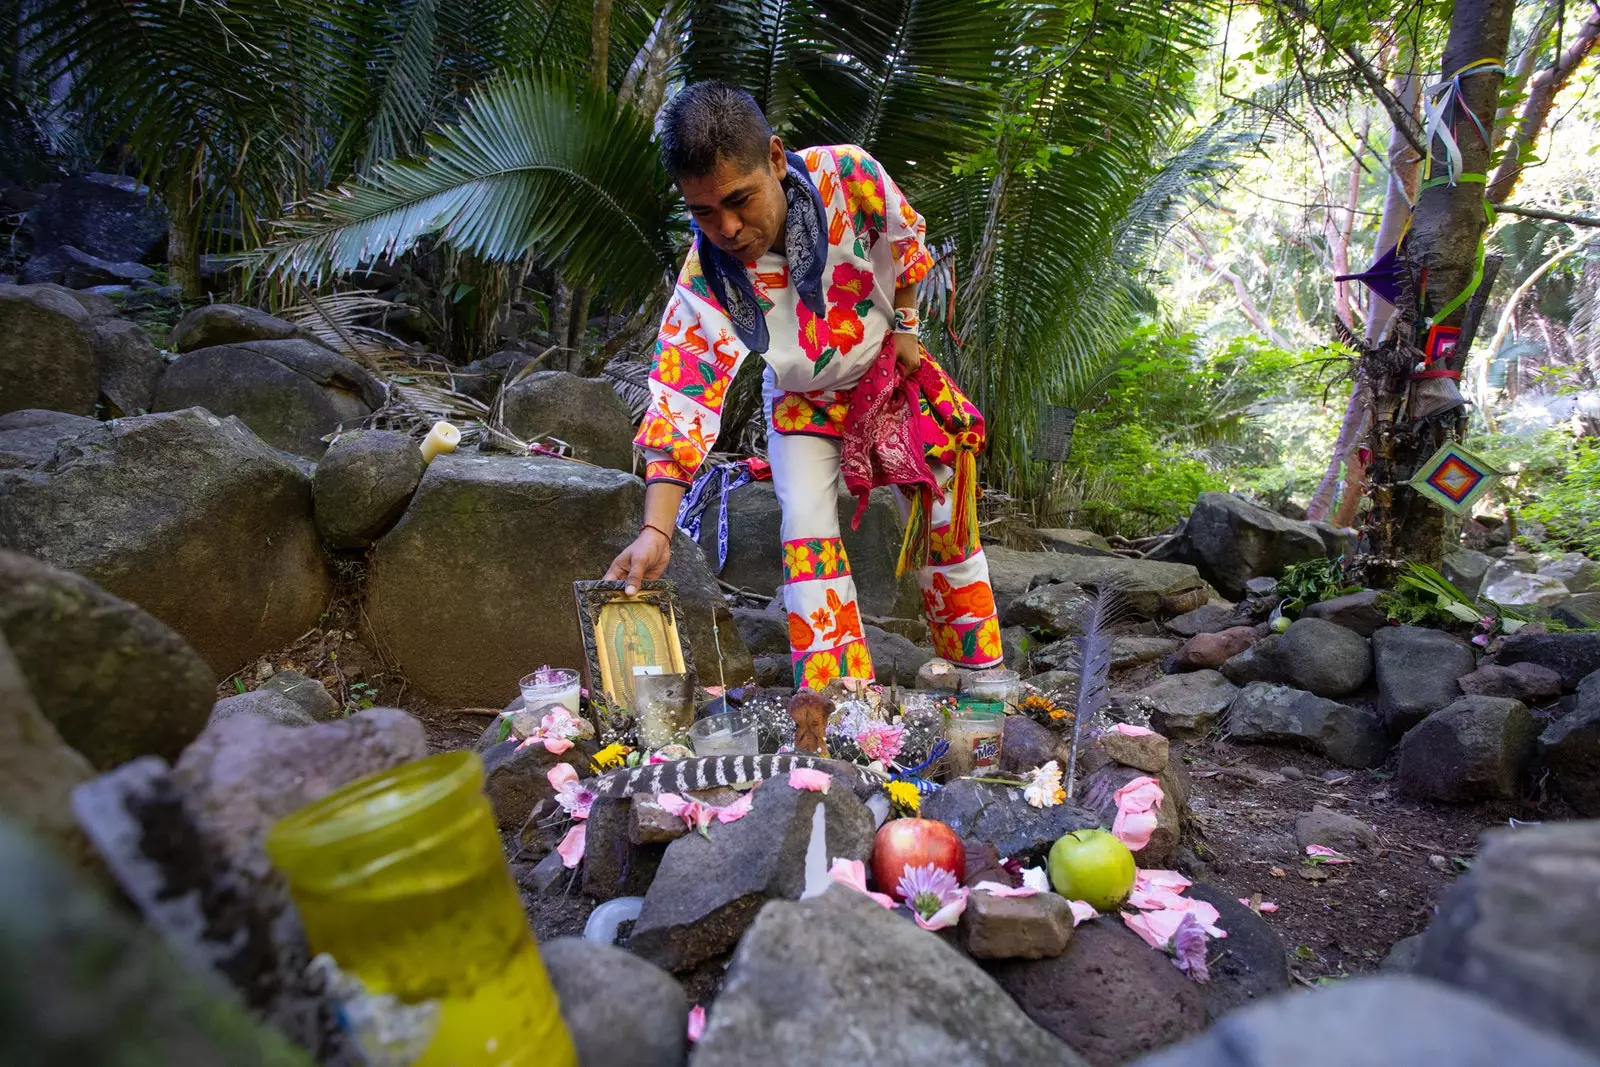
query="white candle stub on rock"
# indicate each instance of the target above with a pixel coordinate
(442, 438)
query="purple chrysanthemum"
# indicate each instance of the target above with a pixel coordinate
(927, 889)
(1189, 944)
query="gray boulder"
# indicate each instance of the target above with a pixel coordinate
(1475, 749)
(311, 695)
(130, 366)
(1333, 829)
(1525, 591)
(1249, 964)
(1258, 663)
(106, 215)
(764, 632)
(1324, 658)
(1465, 569)
(30, 436)
(1527, 682)
(363, 484)
(1382, 1021)
(272, 706)
(586, 413)
(1148, 589)
(1581, 612)
(1577, 572)
(1571, 749)
(1024, 744)
(229, 324)
(82, 984)
(1058, 609)
(1349, 736)
(46, 359)
(490, 547)
(1518, 930)
(1074, 542)
(1574, 656)
(38, 770)
(894, 658)
(1001, 816)
(1417, 669)
(189, 516)
(1188, 705)
(114, 681)
(709, 889)
(1109, 996)
(620, 1010)
(1354, 611)
(840, 980)
(1008, 928)
(292, 393)
(755, 553)
(1098, 793)
(1206, 619)
(80, 270)
(516, 779)
(1232, 541)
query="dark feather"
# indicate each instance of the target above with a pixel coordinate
(1094, 671)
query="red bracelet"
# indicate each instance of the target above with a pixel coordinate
(657, 529)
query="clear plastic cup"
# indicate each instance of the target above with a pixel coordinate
(733, 734)
(549, 685)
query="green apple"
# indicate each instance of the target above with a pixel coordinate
(1092, 866)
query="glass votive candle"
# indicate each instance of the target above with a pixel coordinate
(663, 706)
(994, 684)
(974, 736)
(551, 685)
(734, 734)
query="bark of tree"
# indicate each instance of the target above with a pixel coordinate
(183, 234)
(1397, 201)
(600, 46)
(1536, 109)
(1446, 231)
(1527, 60)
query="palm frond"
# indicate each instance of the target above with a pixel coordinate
(533, 168)
(405, 103)
(754, 45)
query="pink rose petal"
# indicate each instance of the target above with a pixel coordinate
(1136, 812)
(1082, 911)
(1129, 730)
(1326, 854)
(572, 846)
(1155, 876)
(556, 745)
(697, 1023)
(853, 873)
(808, 778)
(561, 774)
(1266, 905)
(1000, 889)
(737, 810)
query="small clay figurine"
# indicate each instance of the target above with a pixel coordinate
(810, 711)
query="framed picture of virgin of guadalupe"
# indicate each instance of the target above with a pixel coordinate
(627, 636)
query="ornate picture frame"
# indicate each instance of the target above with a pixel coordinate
(622, 632)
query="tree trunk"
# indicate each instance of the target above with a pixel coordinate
(183, 234)
(1413, 418)
(1536, 109)
(1397, 201)
(600, 46)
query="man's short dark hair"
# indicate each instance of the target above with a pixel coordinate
(712, 120)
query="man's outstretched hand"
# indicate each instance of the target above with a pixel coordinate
(644, 560)
(907, 353)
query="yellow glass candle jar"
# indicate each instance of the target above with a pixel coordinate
(401, 879)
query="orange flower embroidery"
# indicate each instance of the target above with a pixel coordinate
(836, 228)
(845, 328)
(801, 636)
(669, 365)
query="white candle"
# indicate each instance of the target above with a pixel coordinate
(442, 438)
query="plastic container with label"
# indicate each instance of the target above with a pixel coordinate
(974, 735)
(401, 879)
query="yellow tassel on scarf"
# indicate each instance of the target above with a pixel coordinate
(964, 507)
(915, 547)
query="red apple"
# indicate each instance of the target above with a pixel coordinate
(903, 843)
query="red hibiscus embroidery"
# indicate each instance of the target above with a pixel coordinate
(845, 327)
(851, 285)
(814, 333)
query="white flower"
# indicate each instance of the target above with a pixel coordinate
(1035, 878)
(1045, 789)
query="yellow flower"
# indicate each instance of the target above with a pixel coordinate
(866, 196)
(611, 756)
(797, 559)
(820, 669)
(669, 365)
(989, 638)
(793, 413)
(858, 661)
(1058, 713)
(903, 796)
(828, 558)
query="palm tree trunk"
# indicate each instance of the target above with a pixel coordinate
(600, 46)
(183, 234)
(1413, 418)
(1536, 109)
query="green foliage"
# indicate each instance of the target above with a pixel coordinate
(1570, 506)
(1304, 584)
(1125, 481)
(532, 164)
